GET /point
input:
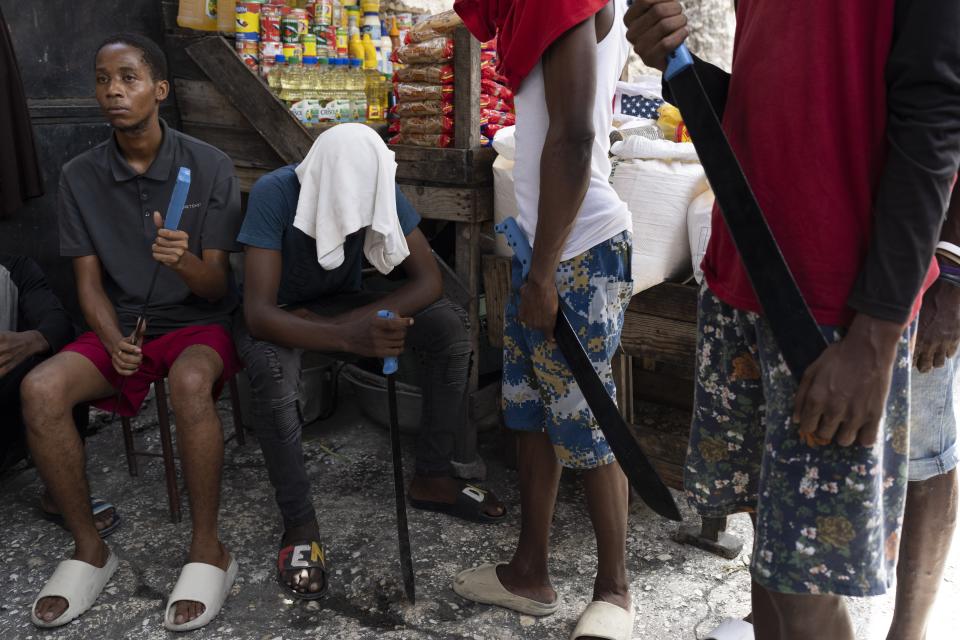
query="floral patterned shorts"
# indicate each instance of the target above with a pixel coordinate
(539, 392)
(828, 517)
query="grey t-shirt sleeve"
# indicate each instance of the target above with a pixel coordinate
(224, 216)
(74, 237)
(268, 212)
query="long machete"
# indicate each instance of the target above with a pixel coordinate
(390, 366)
(793, 326)
(643, 477)
(172, 222)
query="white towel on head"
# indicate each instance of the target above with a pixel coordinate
(347, 183)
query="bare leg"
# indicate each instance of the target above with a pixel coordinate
(928, 525)
(200, 441)
(803, 617)
(527, 574)
(49, 394)
(607, 500)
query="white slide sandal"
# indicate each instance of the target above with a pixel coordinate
(79, 583)
(731, 629)
(482, 585)
(605, 620)
(203, 583)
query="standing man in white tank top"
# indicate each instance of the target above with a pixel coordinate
(579, 230)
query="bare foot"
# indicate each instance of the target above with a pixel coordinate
(101, 520)
(304, 581)
(535, 587)
(49, 609)
(215, 554)
(446, 489)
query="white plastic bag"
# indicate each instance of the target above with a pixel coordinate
(658, 194)
(504, 199)
(698, 230)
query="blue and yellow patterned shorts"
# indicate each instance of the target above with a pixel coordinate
(828, 517)
(539, 392)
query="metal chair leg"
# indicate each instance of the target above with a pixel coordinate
(128, 447)
(166, 443)
(235, 407)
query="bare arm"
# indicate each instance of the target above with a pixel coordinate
(207, 276)
(100, 315)
(570, 84)
(370, 336)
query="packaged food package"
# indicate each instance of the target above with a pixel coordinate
(496, 104)
(423, 139)
(430, 73)
(643, 148)
(504, 197)
(438, 50)
(431, 108)
(485, 141)
(489, 72)
(421, 92)
(436, 26)
(658, 193)
(423, 124)
(495, 89)
(671, 123)
(504, 118)
(489, 45)
(491, 130)
(699, 216)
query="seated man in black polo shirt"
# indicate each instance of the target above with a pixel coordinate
(110, 198)
(294, 300)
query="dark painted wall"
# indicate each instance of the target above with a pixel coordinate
(55, 41)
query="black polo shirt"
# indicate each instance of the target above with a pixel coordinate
(106, 209)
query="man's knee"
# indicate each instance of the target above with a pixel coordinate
(191, 385)
(797, 611)
(44, 393)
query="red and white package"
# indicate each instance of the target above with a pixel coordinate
(431, 73)
(438, 50)
(431, 108)
(497, 104)
(495, 89)
(421, 92)
(501, 118)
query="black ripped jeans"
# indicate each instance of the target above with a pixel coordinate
(439, 339)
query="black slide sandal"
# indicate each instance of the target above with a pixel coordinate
(306, 554)
(469, 505)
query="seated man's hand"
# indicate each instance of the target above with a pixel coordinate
(171, 247)
(126, 354)
(15, 347)
(655, 28)
(375, 337)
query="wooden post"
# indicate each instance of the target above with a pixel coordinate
(466, 91)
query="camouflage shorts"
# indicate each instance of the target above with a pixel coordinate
(539, 392)
(828, 517)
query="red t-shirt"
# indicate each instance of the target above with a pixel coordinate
(806, 116)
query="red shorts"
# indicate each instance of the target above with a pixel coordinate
(159, 354)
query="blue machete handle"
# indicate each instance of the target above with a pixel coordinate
(677, 61)
(177, 200)
(518, 242)
(390, 365)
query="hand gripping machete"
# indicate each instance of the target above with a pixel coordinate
(643, 477)
(172, 222)
(390, 366)
(793, 326)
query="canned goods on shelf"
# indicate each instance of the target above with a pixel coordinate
(248, 17)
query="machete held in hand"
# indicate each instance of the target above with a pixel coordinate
(641, 474)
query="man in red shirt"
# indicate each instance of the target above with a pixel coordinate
(846, 120)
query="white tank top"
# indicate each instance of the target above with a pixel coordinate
(603, 214)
